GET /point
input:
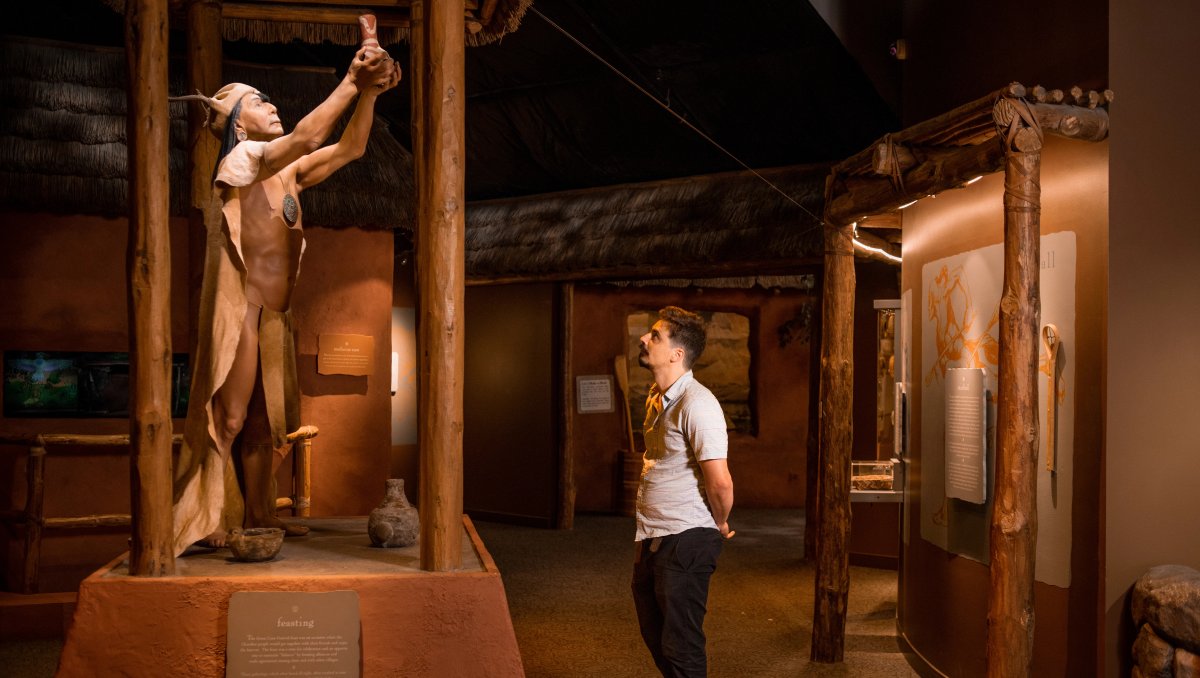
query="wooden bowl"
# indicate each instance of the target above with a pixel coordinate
(255, 544)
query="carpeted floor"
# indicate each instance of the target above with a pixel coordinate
(568, 593)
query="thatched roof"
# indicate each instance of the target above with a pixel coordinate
(729, 224)
(63, 131)
(488, 21)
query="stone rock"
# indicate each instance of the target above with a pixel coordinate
(1154, 656)
(1168, 598)
(1187, 664)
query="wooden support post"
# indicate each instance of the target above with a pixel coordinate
(301, 441)
(1014, 519)
(204, 75)
(812, 463)
(35, 472)
(441, 265)
(836, 437)
(566, 464)
(151, 553)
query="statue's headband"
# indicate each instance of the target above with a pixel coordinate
(219, 106)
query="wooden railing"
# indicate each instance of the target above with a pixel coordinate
(32, 516)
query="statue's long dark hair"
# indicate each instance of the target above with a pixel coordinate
(230, 139)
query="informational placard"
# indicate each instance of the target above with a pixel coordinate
(594, 393)
(291, 633)
(966, 439)
(345, 354)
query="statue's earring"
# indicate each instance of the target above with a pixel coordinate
(241, 134)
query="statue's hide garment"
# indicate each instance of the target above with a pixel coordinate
(200, 478)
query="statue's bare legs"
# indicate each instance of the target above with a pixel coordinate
(231, 402)
(240, 416)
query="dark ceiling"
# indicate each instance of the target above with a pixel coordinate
(768, 80)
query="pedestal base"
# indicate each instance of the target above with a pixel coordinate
(414, 623)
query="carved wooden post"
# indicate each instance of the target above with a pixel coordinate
(1014, 518)
(836, 437)
(566, 466)
(441, 229)
(151, 553)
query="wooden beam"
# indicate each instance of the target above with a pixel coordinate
(974, 113)
(373, 5)
(1014, 519)
(566, 462)
(151, 552)
(943, 168)
(310, 15)
(836, 438)
(441, 229)
(80, 439)
(85, 522)
(1086, 123)
(726, 269)
(893, 220)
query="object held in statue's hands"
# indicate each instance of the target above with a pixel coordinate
(369, 31)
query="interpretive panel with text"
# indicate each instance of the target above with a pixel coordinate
(289, 633)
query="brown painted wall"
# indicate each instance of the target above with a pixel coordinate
(345, 287)
(943, 600)
(1154, 308)
(63, 285)
(511, 404)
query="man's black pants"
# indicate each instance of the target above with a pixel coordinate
(670, 591)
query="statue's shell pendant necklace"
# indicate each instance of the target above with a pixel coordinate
(290, 209)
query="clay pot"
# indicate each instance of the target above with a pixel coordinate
(255, 544)
(395, 521)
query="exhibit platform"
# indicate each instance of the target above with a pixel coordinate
(413, 623)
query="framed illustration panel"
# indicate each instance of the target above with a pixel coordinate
(77, 384)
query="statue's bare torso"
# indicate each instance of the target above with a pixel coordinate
(270, 246)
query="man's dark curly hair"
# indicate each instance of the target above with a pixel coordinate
(687, 332)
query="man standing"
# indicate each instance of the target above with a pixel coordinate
(684, 497)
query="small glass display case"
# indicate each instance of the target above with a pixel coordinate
(871, 476)
(881, 480)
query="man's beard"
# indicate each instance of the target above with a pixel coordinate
(644, 359)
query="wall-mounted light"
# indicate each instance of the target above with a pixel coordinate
(863, 246)
(908, 204)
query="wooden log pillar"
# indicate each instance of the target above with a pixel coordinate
(812, 462)
(836, 437)
(439, 75)
(151, 552)
(204, 75)
(566, 462)
(1014, 518)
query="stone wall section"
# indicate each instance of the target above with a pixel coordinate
(1166, 610)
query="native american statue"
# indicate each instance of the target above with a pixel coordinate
(244, 394)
